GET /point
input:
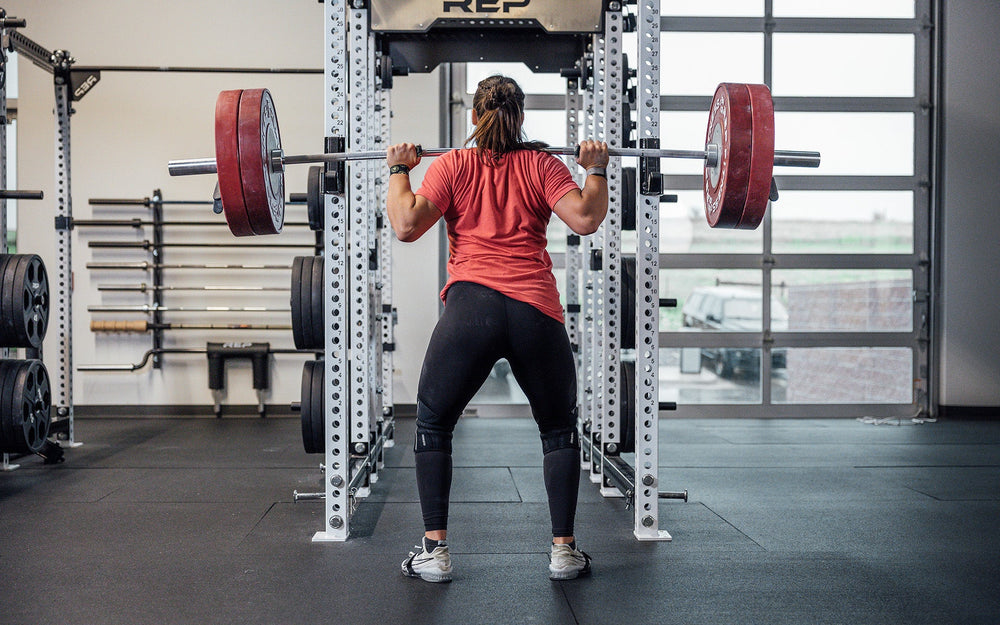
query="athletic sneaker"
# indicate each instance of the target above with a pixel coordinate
(566, 562)
(430, 562)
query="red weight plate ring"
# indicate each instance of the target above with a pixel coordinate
(263, 188)
(227, 162)
(761, 157)
(730, 127)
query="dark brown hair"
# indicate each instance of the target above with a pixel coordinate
(499, 104)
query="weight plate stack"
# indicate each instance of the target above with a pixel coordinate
(730, 126)
(628, 302)
(628, 198)
(761, 156)
(314, 197)
(307, 302)
(295, 299)
(25, 406)
(311, 407)
(626, 400)
(263, 186)
(24, 300)
(227, 159)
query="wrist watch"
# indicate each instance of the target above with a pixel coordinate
(399, 169)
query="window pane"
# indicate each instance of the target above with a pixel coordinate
(692, 375)
(547, 126)
(859, 144)
(742, 8)
(837, 300)
(695, 63)
(683, 130)
(529, 81)
(876, 375)
(711, 300)
(684, 230)
(843, 8)
(842, 65)
(844, 222)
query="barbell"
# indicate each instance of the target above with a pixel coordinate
(739, 158)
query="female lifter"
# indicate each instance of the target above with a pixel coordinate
(500, 300)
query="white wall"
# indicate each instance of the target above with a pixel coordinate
(128, 127)
(970, 263)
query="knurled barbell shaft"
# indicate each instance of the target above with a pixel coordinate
(782, 158)
(138, 223)
(151, 245)
(153, 309)
(146, 266)
(154, 287)
(146, 326)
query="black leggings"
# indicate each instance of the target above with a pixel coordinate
(480, 326)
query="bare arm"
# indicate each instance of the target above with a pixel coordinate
(584, 210)
(410, 215)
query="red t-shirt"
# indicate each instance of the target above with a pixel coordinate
(497, 216)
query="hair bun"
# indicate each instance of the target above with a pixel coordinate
(496, 98)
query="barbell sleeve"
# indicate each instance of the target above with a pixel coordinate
(11, 194)
(792, 158)
(192, 167)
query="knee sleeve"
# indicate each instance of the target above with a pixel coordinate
(564, 438)
(431, 434)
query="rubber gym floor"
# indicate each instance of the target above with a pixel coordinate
(166, 520)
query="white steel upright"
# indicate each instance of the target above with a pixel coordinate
(614, 85)
(385, 263)
(573, 253)
(335, 305)
(595, 283)
(62, 395)
(361, 237)
(590, 89)
(647, 292)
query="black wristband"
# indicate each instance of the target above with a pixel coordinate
(399, 169)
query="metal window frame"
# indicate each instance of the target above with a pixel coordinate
(920, 262)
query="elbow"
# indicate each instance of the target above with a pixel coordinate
(407, 235)
(583, 227)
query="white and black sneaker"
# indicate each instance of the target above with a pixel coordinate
(566, 562)
(430, 562)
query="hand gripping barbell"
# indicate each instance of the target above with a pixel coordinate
(739, 156)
